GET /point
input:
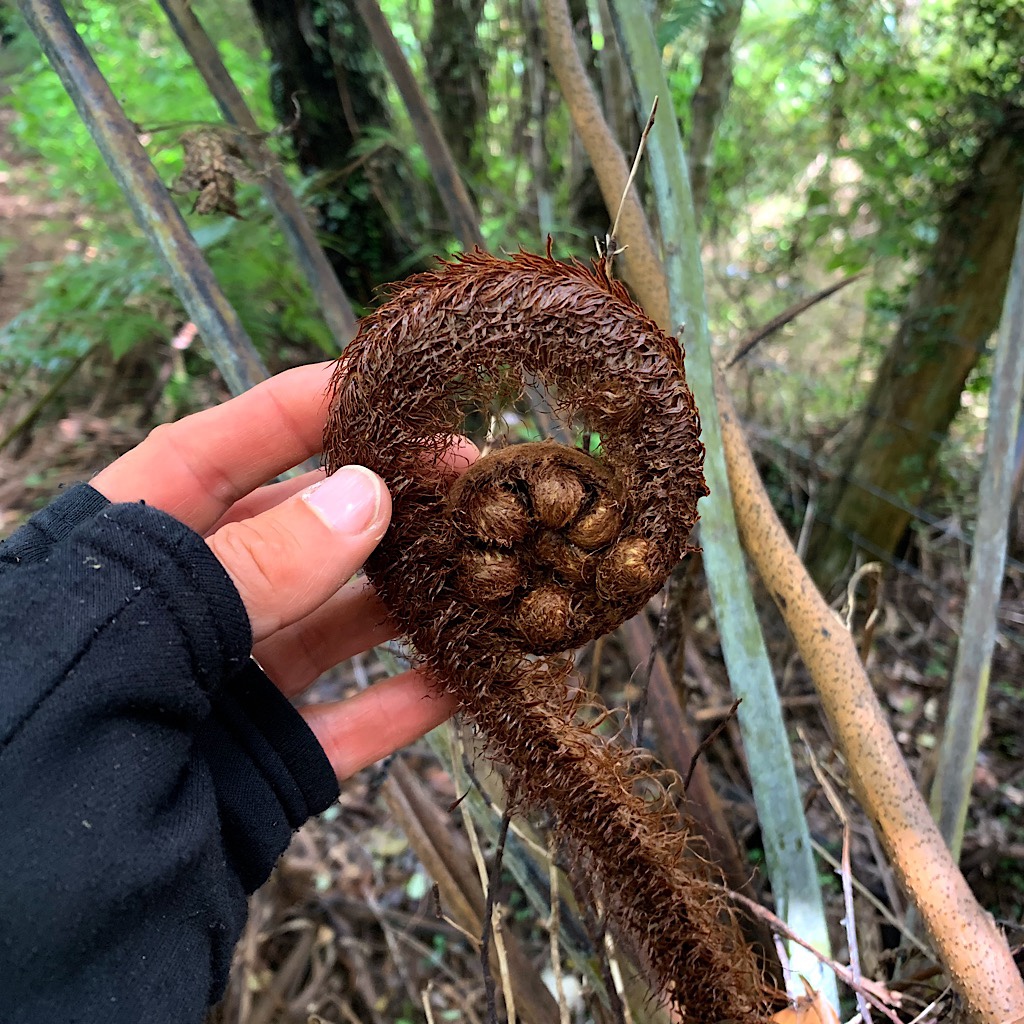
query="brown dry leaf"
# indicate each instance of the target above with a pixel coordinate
(214, 164)
(813, 1008)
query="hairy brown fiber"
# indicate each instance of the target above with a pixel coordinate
(495, 574)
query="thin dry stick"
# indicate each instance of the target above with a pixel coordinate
(616, 972)
(843, 973)
(786, 316)
(592, 919)
(26, 421)
(846, 875)
(872, 568)
(638, 710)
(491, 916)
(425, 951)
(274, 994)
(851, 925)
(425, 997)
(530, 884)
(931, 1006)
(893, 893)
(807, 523)
(484, 940)
(707, 741)
(473, 940)
(554, 923)
(884, 912)
(595, 663)
(528, 840)
(346, 1011)
(475, 782)
(514, 827)
(495, 917)
(610, 241)
(389, 938)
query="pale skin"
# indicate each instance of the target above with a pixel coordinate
(292, 569)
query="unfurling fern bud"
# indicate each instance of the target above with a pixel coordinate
(489, 575)
(538, 548)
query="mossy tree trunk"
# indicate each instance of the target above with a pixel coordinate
(888, 463)
(328, 86)
(710, 97)
(457, 66)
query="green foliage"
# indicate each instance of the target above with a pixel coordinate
(848, 128)
(681, 16)
(111, 289)
(255, 268)
(865, 115)
(91, 300)
(154, 80)
(119, 296)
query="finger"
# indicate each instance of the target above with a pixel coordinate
(198, 467)
(349, 622)
(460, 454)
(266, 497)
(289, 560)
(357, 732)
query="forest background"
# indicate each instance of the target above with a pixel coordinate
(825, 140)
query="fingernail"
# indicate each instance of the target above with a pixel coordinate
(349, 501)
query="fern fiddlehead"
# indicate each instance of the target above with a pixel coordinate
(537, 548)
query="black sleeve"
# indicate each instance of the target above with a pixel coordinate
(150, 774)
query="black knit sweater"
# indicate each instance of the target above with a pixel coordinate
(150, 774)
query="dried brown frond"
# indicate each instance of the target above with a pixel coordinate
(214, 164)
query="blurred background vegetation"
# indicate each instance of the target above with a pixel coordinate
(826, 138)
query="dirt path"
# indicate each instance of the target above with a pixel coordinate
(30, 228)
(35, 233)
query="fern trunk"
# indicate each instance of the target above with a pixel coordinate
(953, 311)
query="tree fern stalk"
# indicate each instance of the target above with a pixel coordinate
(958, 751)
(790, 860)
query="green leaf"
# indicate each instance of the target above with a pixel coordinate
(418, 886)
(123, 336)
(213, 232)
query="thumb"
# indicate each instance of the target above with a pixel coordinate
(288, 560)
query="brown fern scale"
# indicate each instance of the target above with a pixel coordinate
(538, 548)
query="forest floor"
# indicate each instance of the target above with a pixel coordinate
(347, 929)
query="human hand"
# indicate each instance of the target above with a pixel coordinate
(290, 547)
